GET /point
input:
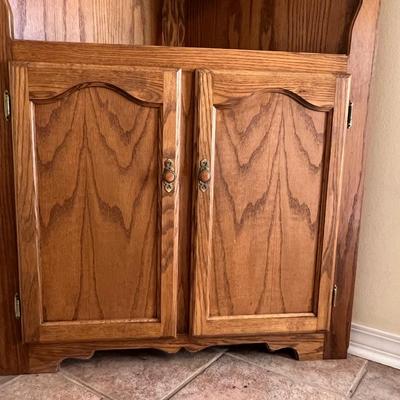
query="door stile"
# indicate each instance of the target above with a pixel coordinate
(26, 202)
(332, 203)
(205, 134)
(171, 121)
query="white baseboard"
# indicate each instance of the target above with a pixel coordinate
(375, 345)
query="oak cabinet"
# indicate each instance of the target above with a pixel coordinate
(97, 235)
(179, 174)
(97, 200)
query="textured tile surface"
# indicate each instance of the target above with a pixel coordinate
(4, 379)
(379, 383)
(337, 375)
(45, 387)
(233, 379)
(138, 374)
(245, 373)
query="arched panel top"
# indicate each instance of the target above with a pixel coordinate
(48, 81)
(42, 98)
(316, 91)
(294, 96)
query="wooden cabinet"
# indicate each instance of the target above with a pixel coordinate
(97, 235)
(97, 194)
(266, 222)
(180, 178)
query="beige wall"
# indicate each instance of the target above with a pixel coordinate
(377, 301)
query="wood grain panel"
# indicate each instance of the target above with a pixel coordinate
(269, 160)
(91, 214)
(97, 175)
(173, 23)
(275, 163)
(320, 26)
(90, 21)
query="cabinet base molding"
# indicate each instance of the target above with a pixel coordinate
(45, 358)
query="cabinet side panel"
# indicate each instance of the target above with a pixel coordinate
(360, 66)
(11, 351)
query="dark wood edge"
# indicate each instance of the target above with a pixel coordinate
(361, 63)
(12, 353)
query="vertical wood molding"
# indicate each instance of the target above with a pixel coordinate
(360, 66)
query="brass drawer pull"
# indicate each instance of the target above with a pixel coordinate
(204, 175)
(169, 176)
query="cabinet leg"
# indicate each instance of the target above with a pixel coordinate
(47, 360)
(303, 350)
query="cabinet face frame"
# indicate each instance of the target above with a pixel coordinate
(161, 88)
(321, 92)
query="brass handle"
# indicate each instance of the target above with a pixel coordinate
(169, 176)
(204, 175)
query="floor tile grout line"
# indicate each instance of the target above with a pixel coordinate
(359, 378)
(80, 382)
(193, 376)
(13, 379)
(294, 380)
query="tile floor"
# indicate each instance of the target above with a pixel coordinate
(244, 372)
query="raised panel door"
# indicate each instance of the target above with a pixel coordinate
(269, 156)
(97, 229)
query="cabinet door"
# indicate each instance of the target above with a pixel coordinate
(269, 156)
(97, 226)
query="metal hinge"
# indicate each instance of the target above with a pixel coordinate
(7, 105)
(334, 295)
(17, 306)
(350, 115)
